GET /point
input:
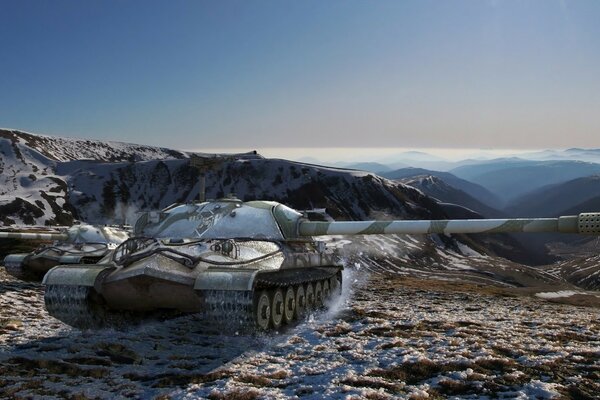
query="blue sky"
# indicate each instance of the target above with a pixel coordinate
(252, 74)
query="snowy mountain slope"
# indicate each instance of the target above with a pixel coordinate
(30, 192)
(35, 173)
(66, 149)
(583, 272)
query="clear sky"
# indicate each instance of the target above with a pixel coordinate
(251, 74)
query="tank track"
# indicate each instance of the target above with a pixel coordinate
(231, 309)
(17, 271)
(235, 310)
(78, 306)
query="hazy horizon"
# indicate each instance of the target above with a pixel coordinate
(347, 154)
(355, 154)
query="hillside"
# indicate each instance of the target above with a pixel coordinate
(36, 173)
(477, 192)
(45, 191)
(512, 178)
(574, 196)
(435, 187)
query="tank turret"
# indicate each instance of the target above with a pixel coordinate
(78, 244)
(255, 263)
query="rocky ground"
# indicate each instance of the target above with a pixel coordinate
(387, 337)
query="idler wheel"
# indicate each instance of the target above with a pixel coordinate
(300, 301)
(318, 294)
(277, 308)
(290, 305)
(310, 296)
(326, 290)
(262, 311)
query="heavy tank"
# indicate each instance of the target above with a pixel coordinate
(78, 244)
(255, 263)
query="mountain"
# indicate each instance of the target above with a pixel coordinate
(45, 191)
(588, 155)
(67, 149)
(435, 187)
(36, 173)
(567, 198)
(512, 178)
(572, 197)
(581, 271)
(477, 192)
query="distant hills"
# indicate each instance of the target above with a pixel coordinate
(570, 197)
(512, 178)
(475, 191)
(438, 188)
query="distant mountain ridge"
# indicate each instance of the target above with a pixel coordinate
(574, 196)
(436, 187)
(476, 191)
(510, 179)
(46, 191)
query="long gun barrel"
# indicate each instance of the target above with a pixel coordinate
(585, 223)
(34, 236)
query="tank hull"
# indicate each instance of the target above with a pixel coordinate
(79, 244)
(229, 291)
(33, 266)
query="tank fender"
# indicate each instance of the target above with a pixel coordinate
(226, 279)
(77, 275)
(15, 260)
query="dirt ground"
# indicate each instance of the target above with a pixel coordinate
(387, 337)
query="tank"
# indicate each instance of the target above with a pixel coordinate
(256, 264)
(78, 244)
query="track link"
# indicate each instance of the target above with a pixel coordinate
(229, 308)
(80, 307)
(17, 271)
(235, 310)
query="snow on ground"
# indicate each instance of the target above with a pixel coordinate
(553, 295)
(388, 337)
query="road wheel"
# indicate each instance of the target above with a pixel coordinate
(262, 310)
(310, 296)
(300, 301)
(289, 305)
(318, 294)
(277, 308)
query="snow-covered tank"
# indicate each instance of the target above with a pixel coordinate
(78, 244)
(255, 263)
